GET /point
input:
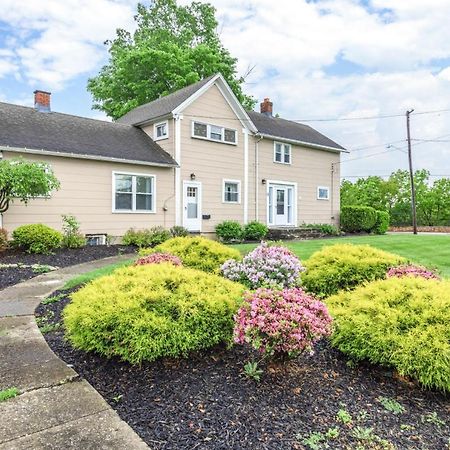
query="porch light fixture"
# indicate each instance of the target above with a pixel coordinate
(192, 176)
(263, 181)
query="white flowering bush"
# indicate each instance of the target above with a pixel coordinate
(265, 266)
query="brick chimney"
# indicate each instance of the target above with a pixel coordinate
(267, 107)
(42, 101)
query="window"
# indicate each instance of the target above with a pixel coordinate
(134, 193)
(282, 153)
(231, 191)
(323, 193)
(161, 130)
(214, 133)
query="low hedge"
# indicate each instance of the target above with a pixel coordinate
(399, 322)
(196, 252)
(382, 222)
(141, 313)
(255, 231)
(345, 266)
(355, 219)
(37, 238)
(149, 237)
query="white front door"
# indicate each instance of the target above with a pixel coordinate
(281, 205)
(192, 211)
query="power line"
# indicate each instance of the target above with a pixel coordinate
(368, 156)
(389, 174)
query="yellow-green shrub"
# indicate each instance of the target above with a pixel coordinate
(196, 252)
(345, 266)
(141, 313)
(399, 322)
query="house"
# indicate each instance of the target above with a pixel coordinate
(192, 158)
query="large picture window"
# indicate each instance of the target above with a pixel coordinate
(133, 193)
(214, 133)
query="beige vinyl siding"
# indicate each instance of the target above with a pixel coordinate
(211, 162)
(86, 193)
(166, 144)
(309, 168)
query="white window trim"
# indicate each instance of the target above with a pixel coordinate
(294, 200)
(208, 132)
(328, 193)
(133, 191)
(238, 182)
(156, 125)
(282, 153)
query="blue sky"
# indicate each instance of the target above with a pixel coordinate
(325, 59)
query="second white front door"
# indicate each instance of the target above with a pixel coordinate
(192, 208)
(281, 205)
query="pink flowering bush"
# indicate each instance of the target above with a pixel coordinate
(411, 270)
(157, 258)
(286, 322)
(265, 266)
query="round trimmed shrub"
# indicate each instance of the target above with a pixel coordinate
(355, 219)
(229, 231)
(382, 222)
(141, 313)
(255, 231)
(286, 322)
(399, 322)
(196, 252)
(37, 238)
(345, 266)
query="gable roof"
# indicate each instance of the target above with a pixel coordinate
(56, 133)
(163, 105)
(275, 127)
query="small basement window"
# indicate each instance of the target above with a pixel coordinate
(214, 133)
(161, 130)
(95, 239)
(323, 193)
(231, 191)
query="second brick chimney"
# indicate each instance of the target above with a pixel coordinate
(267, 107)
(42, 101)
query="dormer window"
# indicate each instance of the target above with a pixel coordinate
(161, 131)
(214, 133)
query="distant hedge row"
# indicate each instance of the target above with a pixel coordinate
(355, 219)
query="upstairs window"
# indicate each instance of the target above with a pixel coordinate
(214, 133)
(323, 193)
(161, 131)
(231, 191)
(133, 193)
(282, 153)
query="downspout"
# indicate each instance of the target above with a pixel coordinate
(257, 176)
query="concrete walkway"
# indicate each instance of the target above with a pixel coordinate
(56, 409)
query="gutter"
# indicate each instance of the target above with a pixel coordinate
(306, 144)
(88, 157)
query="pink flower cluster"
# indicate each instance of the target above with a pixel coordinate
(411, 270)
(281, 322)
(265, 266)
(156, 258)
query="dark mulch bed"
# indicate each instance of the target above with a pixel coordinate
(204, 402)
(60, 258)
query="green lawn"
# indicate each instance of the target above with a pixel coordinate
(430, 250)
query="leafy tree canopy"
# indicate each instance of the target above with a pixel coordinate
(394, 196)
(24, 180)
(172, 47)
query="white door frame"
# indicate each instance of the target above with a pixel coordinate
(286, 184)
(192, 226)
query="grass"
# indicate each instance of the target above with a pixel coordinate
(429, 250)
(6, 394)
(89, 276)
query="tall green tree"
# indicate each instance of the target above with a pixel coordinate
(172, 47)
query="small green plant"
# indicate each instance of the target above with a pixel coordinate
(332, 433)
(72, 238)
(344, 417)
(148, 238)
(37, 238)
(117, 398)
(255, 231)
(49, 327)
(38, 268)
(391, 405)
(53, 299)
(314, 440)
(229, 231)
(406, 427)
(362, 416)
(252, 370)
(179, 231)
(433, 418)
(6, 394)
(363, 434)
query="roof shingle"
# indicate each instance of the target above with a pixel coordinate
(24, 127)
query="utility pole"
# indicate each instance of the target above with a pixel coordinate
(411, 173)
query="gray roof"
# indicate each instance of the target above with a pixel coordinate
(24, 127)
(287, 129)
(162, 106)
